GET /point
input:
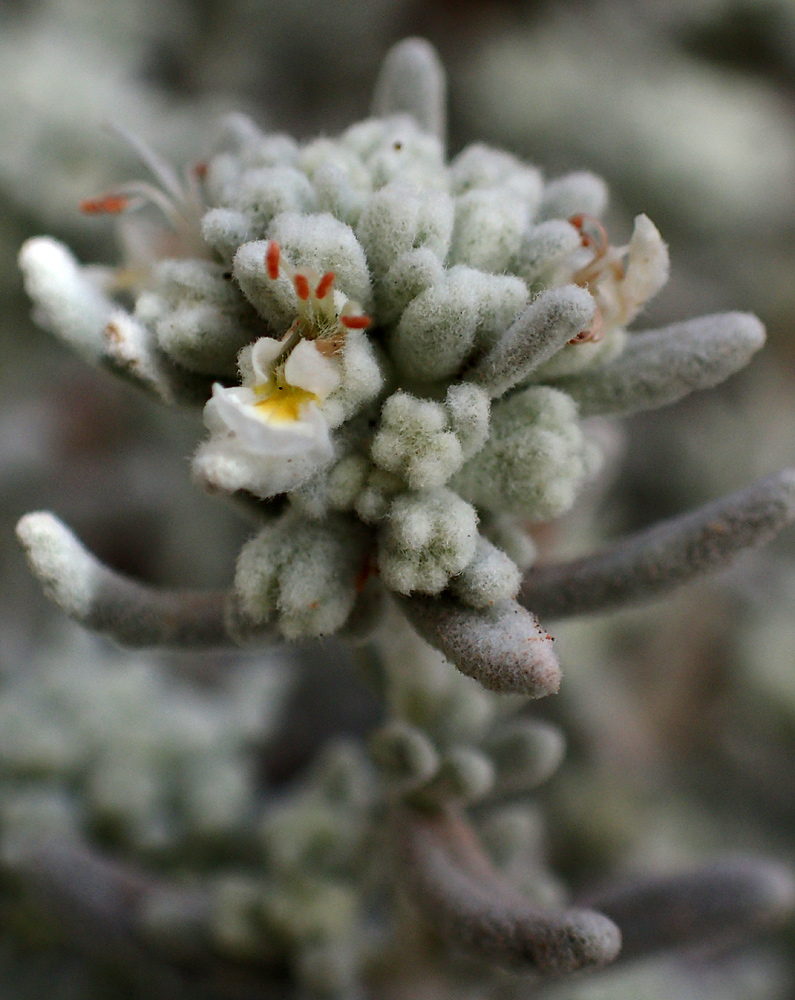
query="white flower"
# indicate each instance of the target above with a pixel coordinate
(180, 201)
(269, 435)
(621, 279)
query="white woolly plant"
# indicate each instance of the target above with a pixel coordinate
(396, 355)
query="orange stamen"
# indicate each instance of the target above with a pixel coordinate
(111, 204)
(355, 322)
(272, 256)
(301, 286)
(600, 241)
(324, 284)
(200, 170)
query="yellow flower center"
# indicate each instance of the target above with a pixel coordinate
(281, 404)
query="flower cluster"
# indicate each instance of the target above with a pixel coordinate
(399, 324)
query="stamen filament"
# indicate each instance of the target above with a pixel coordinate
(160, 169)
(594, 333)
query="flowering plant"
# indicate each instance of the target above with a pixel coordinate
(399, 358)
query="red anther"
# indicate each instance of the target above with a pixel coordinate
(200, 170)
(301, 286)
(324, 284)
(594, 333)
(355, 322)
(272, 257)
(597, 239)
(578, 221)
(109, 204)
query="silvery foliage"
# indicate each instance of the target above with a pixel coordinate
(395, 354)
(93, 737)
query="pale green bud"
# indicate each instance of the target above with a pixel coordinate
(534, 462)
(491, 577)
(489, 229)
(399, 218)
(302, 574)
(478, 167)
(573, 194)
(428, 537)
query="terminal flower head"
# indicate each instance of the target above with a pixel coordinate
(400, 347)
(408, 456)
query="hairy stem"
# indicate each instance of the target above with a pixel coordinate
(476, 911)
(105, 601)
(666, 555)
(722, 903)
(504, 647)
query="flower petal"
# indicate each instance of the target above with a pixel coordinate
(647, 267)
(232, 411)
(309, 369)
(263, 353)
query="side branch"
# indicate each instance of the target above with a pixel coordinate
(92, 896)
(503, 647)
(552, 318)
(659, 367)
(71, 303)
(661, 558)
(474, 910)
(718, 905)
(105, 601)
